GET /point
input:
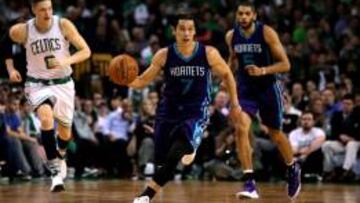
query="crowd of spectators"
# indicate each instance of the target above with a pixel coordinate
(113, 126)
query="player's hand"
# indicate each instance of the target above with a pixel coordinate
(254, 70)
(53, 63)
(15, 76)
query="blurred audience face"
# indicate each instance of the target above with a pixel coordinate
(297, 90)
(147, 109)
(317, 106)
(328, 97)
(310, 86)
(314, 95)
(97, 99)
(347, 105)
(154, 98)
(245, 16)
(26, 108)
(88, 106)
(13, 105)
(307, 121)
(357, 100)
(221, 100)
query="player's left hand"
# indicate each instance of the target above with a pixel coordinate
(254, 70)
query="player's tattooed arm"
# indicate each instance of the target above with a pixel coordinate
(71, 33)
(232, 62)
(282, 63)
(157, 63)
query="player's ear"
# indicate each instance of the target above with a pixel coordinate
(255, 15)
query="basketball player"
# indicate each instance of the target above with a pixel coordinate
(256, 50)
(182, 113)
(49, 87)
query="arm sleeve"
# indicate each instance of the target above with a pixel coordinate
(6, 46)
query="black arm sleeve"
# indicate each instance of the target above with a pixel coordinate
(6, 46)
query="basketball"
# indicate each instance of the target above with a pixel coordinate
(123, 69)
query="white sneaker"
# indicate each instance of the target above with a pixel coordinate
(142, 199)
(57, 182)
(63, 168)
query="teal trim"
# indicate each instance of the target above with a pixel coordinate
(186, 59)
(279, 102)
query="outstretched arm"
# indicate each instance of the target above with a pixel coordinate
(152, 71)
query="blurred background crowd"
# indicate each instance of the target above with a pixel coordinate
(113, 125)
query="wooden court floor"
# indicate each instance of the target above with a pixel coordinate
(184, 192)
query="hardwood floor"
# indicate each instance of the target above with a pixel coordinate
(184, 192)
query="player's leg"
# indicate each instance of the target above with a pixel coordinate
(46, 116)
(63, 112)
(271, 111)
(244, 149)
(63, 139)
(180, 146)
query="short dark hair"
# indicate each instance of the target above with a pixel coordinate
(348, 97)
(307, 112)
(247, 4)
(34, 2)
(181, 15)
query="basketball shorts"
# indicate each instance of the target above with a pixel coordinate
(167, 132)
(267, 101)
(62, 97)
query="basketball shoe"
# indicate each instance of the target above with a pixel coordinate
(142, 199)
(57, 182)
(249, 190)
(294, 180)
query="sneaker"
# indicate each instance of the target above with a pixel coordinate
(294, 180)
(57, 182)
(249, 190)
(142, 199)
(63, 168)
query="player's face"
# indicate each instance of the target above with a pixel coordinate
(185, 31)
(43, 10)
(245, 16)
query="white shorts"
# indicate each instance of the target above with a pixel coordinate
(62, 96)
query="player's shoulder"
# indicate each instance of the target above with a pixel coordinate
(18, 32)
(18, 27)
(210, 49)
(229, 33)
(269, 32)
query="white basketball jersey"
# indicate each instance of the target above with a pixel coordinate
(40, 46)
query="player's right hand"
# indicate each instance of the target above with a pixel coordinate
(15, 76)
